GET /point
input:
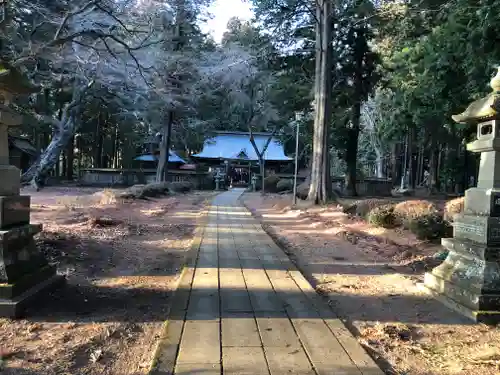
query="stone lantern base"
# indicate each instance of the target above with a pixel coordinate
(24, 271)
(469, 279)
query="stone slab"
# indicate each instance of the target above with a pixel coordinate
(356, 352)
(235, 301)
(11, 180)
(18, 253)
(482, 202)
(471, 299)
(276, 330)
(291, 294)
(200, 343)
(203, 305)
(206, 279)
(10, 291)
(14, 210)
(197, 369)
(481, 229)
(264, 301)
(16, 307)
(239, 330)
(471, 249)
(289, 361)
(486, 317)
(244, 361)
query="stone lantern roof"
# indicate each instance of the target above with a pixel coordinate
(484, 109)
(13, 82)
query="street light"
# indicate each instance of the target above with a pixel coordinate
(298, 117)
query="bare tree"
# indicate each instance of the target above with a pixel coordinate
(88, 47)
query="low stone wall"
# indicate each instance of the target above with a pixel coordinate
(370, 186)
(107, 177)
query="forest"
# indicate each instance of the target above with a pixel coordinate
(372, 83)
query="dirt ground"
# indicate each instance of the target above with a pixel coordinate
(121, 260)
(370, 276)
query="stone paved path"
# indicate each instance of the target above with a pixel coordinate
(243, 308)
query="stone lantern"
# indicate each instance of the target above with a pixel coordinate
(218, 180)
(24, 271)
(254, 182)
(469, 279)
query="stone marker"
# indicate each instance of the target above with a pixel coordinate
(469, 279)
(24, 271)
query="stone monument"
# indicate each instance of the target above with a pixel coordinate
(24, 271)
(469, 279)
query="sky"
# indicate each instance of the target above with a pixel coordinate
(222, 11)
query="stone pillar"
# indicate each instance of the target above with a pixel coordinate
(469, 279)
(24, 271)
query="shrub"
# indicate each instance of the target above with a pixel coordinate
(270, 183)
(382, 216)
(430, 227)
(284, 185)
(363, 207)
(453, 207)
(411, 210)
(181, 186)
(143, 191)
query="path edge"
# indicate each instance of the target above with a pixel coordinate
(163, 344)
(381, 362)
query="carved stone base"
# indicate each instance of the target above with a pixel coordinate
(11, 180)
(24, 271)
(19, 255)
(14, 210)
(15, 307)
(468, 280)
(485, 317)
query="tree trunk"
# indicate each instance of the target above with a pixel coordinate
(99, 143)
(433, 167)
(262, 175)
(64, 130)
(162, 169)
(70, 158)
(37, 173)
(260, 155)
(64, 166)
(320, 188)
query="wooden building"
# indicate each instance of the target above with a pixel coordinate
(234, 153)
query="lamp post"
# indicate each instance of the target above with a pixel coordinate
(298, 117)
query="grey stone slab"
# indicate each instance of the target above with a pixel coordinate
(263, 301)
(198, 369)
(14, 210)
(291, 294)
(289, 361)
(323, 348)
(357, 353)
(235, 300)
(239, 329)
(276, 330)
(244, 361)
(206, 279)
(200, 343)
(203, 305)
(256, 278)
(11, 180)
(329, 369)
(231, 278)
